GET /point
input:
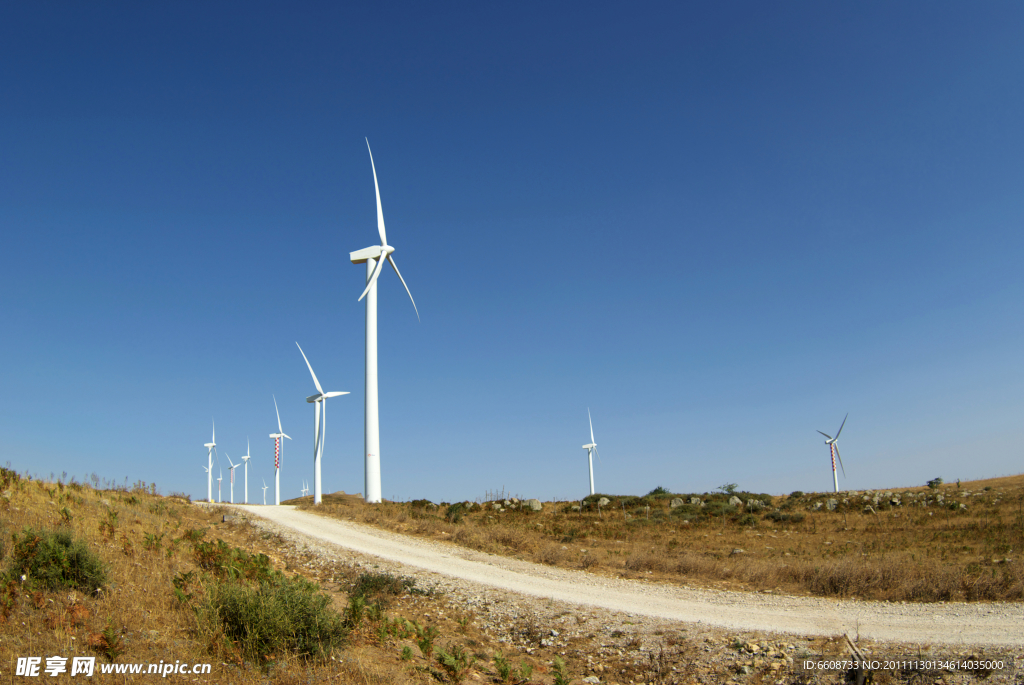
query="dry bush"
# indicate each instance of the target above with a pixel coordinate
(643, 560)
(513, 538)
(551, 554)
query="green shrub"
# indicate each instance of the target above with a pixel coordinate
(455, 512)
(781, 517)
(454, 661)
(57, 560)
(658, 492)
(560, 671)
(720, 508)
(278, 614)
(231, 562)
(747, 520)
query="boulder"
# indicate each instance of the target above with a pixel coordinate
(534, 505)
(831, 504)
(696, 501)
(735, 501)
(496, 506)
(603, 502)
(677, 502)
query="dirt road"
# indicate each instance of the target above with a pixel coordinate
(947, 623)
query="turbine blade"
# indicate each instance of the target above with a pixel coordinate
(380, 212)
(598, 454)
(278, 416)
(840, 460)
(373, 279)
(335, 394)
(826, 435)
(591, 426)
(406, 287)
(315, 381)
(841, 427)
(286, 436)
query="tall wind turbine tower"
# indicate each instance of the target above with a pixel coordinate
(231, 475)
(374, 257)
(278, 449)
(834, 449)
(220, 499)
(209, 468)
(265, 486)
(245, 460)
(591, 450)
(319, 428)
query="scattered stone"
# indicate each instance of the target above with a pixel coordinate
(738, 551)
(735, 501)
(603, 502)
(104, 501)
(831, 504)
(496, 506)
(227, 519)
(535, 505)
(592, 680)
(696, 501)
(677, 502)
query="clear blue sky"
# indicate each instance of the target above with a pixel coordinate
(721, 226)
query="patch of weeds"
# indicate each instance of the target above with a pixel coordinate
(108, 526)
(153, 541)
(65, 515)
(455, 512)
(425, 636)
(108, 643)
(225, 561)
(194, 535)
(406, 653)
(277, 614)
(56, 560)
(375, 584)
(561, 672)
(455, 662)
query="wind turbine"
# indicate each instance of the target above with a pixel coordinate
(231, 473)
(265, 486)
(320, 430)
(834, 449)
(278, 449)
(591, 450)
(305, 488)
(245, 460)
(220, 499)
(374, 257)
(209, 469)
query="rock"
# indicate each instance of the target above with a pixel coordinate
(495, 506)
(603, 502)
(535, 505)
(554, 633)
(227, 519)
(677, 502)
(515, 501)
(738, 551)
(106, 502)
(756, 505)
(831, 504)
(735, 501)
(816, 507)
(869, 509)
(592, 680)
(575, 507)
(696, 501)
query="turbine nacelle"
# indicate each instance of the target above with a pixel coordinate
(590, 446)
(279, 435)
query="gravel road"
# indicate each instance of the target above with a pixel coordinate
(997, 625)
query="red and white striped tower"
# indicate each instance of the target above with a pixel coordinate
(277, 470)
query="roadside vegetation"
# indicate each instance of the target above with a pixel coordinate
(128, 576)
(937, 542)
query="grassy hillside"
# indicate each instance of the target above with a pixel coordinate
(951, 541)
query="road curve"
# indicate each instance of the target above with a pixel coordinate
(999, 624)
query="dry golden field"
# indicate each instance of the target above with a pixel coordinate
(956, 541)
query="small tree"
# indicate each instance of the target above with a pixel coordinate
(728, 488)
(934, 483)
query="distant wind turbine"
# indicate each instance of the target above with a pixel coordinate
(305, 488)
(245, 460)
(834, 449)
(265, 486)
(209, 469)
(320, 429)
(278, 450)
(220, 499)
(374, 257)
(591, 449)
(231, 474)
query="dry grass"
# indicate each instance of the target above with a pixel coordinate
(922, 549)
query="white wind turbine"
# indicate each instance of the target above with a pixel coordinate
(834, 449)
(305, 488)
(245, 460)
(320, 429)
(374, 258)
(219, 479)
(278, 449)
(231, 475)
(209, 468)
(265, 486)
(591, 451)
